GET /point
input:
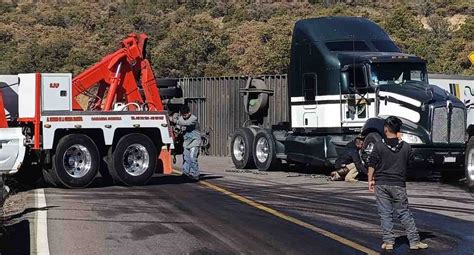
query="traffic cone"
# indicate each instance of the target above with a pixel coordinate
(166, 161)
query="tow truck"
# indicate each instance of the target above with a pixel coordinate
(121, 127)
(345, 77)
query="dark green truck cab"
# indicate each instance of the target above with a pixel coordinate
(345, 76)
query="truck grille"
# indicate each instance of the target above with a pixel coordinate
(441, 133)
(458, 126)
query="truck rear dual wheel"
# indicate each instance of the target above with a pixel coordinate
(241, 149)
(75, 162)
(264, 152)
(132, 160)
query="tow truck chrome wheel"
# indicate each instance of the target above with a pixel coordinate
(132, 161)
(77, 161)
(262, 149)
(136, 159)
(239, 148)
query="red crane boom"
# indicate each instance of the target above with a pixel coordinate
(120, 76)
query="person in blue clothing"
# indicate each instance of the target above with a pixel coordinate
(192, 142)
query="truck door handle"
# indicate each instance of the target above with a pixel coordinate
(306, 121)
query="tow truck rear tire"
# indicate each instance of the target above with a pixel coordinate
(264, 152)
(76, 161)
(132, 161)
(241, 148)
(469, 164)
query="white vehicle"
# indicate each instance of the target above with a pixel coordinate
(463, 88)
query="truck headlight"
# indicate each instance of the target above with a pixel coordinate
(409, 138)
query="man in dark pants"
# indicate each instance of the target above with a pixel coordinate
(349, 163)
(387, 176)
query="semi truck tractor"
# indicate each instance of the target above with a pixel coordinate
(345, 76)
(463, 88)
(109, 118)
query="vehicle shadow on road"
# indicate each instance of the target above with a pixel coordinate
(15, 238)
(15, 232)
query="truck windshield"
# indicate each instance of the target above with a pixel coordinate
(397, 73)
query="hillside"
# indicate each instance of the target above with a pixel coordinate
(214, 38)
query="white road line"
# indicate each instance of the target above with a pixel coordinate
(42, 246)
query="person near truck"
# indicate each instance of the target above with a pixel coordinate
(387, 176)
(192, 141)
(349, 163)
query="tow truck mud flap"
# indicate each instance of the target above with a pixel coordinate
(12, 150)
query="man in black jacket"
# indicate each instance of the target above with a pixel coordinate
(349, 163)
(387, 175)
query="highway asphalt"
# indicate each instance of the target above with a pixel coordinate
(235, 212)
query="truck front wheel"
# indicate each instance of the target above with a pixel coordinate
(133, 160)
(369, 142)
(75, 161)
(469, 165)
(264, 152)
(241, 148)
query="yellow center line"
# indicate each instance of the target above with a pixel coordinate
(291, 219)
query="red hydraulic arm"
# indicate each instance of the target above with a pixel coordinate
(119, 77)
(3, 117)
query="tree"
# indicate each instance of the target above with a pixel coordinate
(191, 48)
(262, 47)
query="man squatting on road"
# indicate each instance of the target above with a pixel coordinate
(387, 176)
(349, 163)
(192, 141)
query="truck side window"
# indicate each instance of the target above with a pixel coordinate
(309, 86)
